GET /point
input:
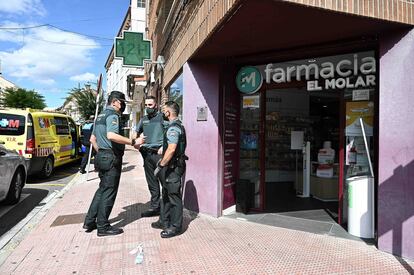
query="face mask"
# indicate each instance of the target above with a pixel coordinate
(151, 111)
(123, 106)
(165, 116)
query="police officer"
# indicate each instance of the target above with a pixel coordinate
(110, 146)
(86, 135)
(170, 170)
(152, 125)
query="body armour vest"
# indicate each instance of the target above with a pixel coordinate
(100, 124)
(182, 142)
(153, 129)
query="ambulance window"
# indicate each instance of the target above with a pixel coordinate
(62, 127)
(12, 125)
(30, 128)
(72, 127)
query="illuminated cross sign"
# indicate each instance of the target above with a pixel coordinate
(132, 48)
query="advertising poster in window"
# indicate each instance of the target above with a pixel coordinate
(356, 110)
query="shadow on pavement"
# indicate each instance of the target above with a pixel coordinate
(14, 214)
(132, 213)
(61, 172)
(128, 168)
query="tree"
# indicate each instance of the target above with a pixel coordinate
(22, 98)
(85, 99)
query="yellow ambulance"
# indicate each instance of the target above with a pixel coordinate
(45, 139)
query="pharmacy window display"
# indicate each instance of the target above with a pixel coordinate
(300, 123)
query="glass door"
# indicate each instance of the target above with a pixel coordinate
(251, 135)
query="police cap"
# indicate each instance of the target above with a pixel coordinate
(117, 95)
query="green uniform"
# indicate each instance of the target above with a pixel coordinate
(171, 215)
(108, 161)
(153, 128)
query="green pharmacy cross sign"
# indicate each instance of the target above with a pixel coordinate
(132, 48)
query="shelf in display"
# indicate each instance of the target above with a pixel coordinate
(249, 130)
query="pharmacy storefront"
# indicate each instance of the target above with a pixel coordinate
(299, 118)
(306, 130)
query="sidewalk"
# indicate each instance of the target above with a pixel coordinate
(59, 245)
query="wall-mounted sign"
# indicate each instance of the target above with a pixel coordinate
(358, 95)
(132, 48)
(249, 80)
(345, 73)
(202, 113)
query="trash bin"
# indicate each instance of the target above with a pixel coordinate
(361, 206)
(244, 195)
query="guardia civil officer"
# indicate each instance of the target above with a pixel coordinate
(110, 146)
(152, 125)
(170, 170)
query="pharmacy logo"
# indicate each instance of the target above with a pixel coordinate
(249, 80)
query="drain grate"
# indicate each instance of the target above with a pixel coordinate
(68, 219)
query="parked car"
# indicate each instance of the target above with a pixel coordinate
(13, 174)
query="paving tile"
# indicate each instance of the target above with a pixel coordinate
(259, 245)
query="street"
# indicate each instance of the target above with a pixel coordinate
(35, 190)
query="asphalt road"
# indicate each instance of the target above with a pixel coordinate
(36, 189)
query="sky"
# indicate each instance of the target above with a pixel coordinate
(52, 46)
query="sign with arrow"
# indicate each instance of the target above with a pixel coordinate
(132, 48)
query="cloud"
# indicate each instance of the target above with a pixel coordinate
(20, 7)
(44, 54)
(84, 77)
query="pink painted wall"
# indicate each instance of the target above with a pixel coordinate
(396, 145)
(202, 192)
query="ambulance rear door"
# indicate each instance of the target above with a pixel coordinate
(13, 131)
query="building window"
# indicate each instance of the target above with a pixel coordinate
(175, 93)
(141, 3)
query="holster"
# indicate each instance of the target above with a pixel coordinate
(178, 162)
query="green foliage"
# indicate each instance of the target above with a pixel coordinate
(22, 98)
(86, 101)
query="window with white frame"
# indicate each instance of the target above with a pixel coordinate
(141, 3)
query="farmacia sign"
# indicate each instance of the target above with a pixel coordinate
(346, 73)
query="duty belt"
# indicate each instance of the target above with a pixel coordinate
(149, 150)
(110, 150)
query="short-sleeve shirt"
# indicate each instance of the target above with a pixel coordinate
(102, 128)
(173, 134)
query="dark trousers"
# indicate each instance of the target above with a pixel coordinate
(85, 157)
(150, 163)
(171, 214)
(105, 196)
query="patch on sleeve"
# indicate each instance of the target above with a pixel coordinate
(115, 121)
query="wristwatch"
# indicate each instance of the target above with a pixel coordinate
(133, 142)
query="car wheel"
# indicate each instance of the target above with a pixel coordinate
(47, 167)
(16, 187)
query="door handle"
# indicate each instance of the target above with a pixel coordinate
(2, 153)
